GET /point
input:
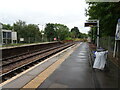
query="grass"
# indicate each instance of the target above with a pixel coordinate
(18, 44)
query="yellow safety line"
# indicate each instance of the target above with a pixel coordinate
(37, 81)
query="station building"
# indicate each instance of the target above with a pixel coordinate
(9, 37)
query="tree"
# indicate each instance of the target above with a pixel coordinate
(19, 27)
(76, 32)
(50, 31)
(72, 34)
(62, 31)
(32, 33)
(58, 31)
(83, 35)
(29, 32)
(107, 13)
(7, 26)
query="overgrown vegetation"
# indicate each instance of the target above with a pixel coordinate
(29, 32)
(108, 13)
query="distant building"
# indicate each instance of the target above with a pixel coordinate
(9, 36)
(89, 39)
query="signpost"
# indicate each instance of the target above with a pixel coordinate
(94, 23)
(117, 36)
(21, 39)
(55, 39)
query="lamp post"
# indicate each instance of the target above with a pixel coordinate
(12, 32)
(42, 36)
(98, 33)
(1, 36)
(91, 23)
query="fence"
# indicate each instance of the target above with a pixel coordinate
(108, 43)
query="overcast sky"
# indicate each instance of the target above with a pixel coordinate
(68, 12)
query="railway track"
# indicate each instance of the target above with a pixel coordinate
(17, 58)
(28, 51)
(13, 66)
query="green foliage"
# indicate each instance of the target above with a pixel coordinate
(75, 31)
(50, 31)
(29, 32)
(72, 34)
(68, 38)
(62, 31)
(93, 34)
(19, 27)
(7, 26)
(108, 14)
(58, 31)
(83, 35)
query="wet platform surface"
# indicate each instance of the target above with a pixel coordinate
(76, 72)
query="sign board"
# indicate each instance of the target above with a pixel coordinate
(91, 24)
(55, 39)
(14, 35)
(117, 35)
(21, 39)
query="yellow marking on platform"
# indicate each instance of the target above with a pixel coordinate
(37, 81)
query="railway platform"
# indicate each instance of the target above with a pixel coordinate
(76, 72)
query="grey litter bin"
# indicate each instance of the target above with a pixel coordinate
(100, 59)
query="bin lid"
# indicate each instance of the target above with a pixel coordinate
(100, 49)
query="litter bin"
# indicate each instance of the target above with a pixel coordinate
(100, 59)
